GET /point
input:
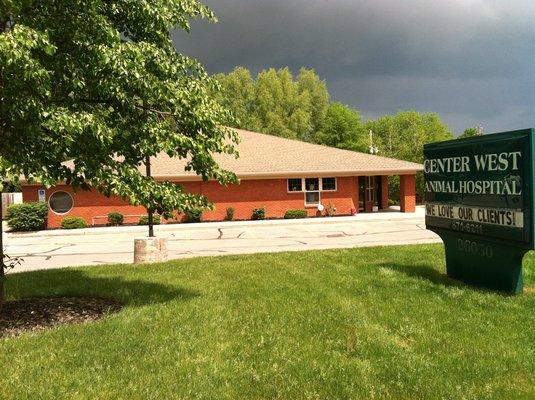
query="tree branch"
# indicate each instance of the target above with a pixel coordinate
(104, 101)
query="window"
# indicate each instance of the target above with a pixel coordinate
(312, 198)
(328, 184)
(312, 184)
(312, 191)
(312, 188)
(295, 185)
(61, 202)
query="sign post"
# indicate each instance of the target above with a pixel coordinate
(479, 199)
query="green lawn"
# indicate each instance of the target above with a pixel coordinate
(370, 323)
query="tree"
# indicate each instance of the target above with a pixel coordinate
(309, 82)
(403, 136)
(469, 132)
(238, 94)
(100, 83)
(275, 103)
(282, 110)
(342, 128)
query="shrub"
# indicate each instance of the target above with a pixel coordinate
(73, 223)
(330, 209)
(193, 215)
(27, 216)
(115, 219)
(294, 214)
(259, 213)
(230, 214)
(144, 220)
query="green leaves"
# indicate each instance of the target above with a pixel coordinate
(99, 84)
(275, 103)
(342, 128)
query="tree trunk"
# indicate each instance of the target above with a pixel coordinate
(4, 28)
(150, 213)
(2, 266)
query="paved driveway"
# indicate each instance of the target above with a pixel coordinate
(54, 249)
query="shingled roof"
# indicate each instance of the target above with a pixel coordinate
(267, 156)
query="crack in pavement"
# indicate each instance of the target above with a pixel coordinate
(39, 253)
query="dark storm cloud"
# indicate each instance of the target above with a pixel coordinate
(469, 60)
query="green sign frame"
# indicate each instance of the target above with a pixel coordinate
(479, 195)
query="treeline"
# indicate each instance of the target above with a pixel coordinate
(277, 103)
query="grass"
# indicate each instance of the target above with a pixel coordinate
(370, 323)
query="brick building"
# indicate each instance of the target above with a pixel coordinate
(276, 173)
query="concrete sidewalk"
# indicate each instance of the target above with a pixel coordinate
(392, 214)
(55, 249)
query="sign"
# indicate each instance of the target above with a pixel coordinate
(41, 195)
(479, 199)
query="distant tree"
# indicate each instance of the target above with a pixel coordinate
(238, 94)
(282, 110)
(275, 103)
(342, 128)
(403, 136)
(309, 82)
(469, 132)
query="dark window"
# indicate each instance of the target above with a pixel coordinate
(312, 198)
(61, 202)
(312, 184)
(295, 185)
(328, 184)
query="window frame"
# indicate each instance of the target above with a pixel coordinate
(304, 189)
(60, 213)
(335, 184)
(312, 204)
(288, 186)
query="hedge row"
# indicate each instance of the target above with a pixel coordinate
(27, 216)
(295, 214)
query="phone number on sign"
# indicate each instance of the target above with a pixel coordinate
(469, 227)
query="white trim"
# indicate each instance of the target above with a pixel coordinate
(311, 205)
(293, 191)
(304, 180)
(268, 175)
(60, 191)
(335, 184)
(320, 184)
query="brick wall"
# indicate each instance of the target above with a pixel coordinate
(407, 195)
(88, 205)
(269, 193)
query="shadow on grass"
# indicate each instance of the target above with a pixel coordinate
(76, 282)
(423, 271)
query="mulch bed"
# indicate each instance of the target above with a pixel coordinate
(39, 313)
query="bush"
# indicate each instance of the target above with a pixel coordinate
(115, 219)
(330, 210)
(294, 214)
(144, 220)
(230, 214)
(193, 215)
(27, 216)
(73, 223)
(259, 213)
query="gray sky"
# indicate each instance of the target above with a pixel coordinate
(472, 61)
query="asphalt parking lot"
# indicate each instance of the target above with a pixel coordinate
(56, 249)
